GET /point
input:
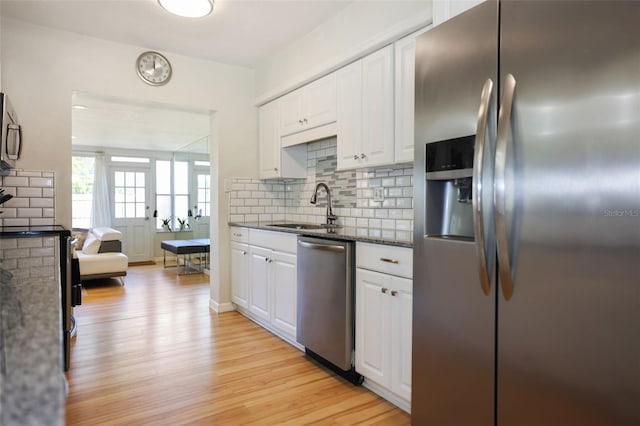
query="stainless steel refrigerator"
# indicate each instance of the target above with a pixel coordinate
(527, 216)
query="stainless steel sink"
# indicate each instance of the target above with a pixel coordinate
(303, 226)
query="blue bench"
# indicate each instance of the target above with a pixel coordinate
(186, 248)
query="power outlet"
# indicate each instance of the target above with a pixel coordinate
(378, 194)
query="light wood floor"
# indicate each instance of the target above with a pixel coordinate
(153, 353)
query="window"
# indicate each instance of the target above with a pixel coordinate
(82, 180)
(204, 192)
(172, 192)
(181, 189)
(130, 159)
(129, 189)
(163, 192)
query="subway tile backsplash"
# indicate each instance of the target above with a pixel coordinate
(29, 257)
(33, 201)
(355, 196)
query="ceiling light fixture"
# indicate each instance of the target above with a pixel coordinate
(78, 107)
(188, 8)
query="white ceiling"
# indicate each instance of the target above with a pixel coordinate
(118, 123)
(238, 32)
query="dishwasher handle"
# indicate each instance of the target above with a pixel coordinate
(327, 247)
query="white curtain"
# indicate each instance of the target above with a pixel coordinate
(101, 208)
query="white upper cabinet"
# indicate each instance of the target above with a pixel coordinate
(349, 81)
(269, 139)
(292, 112)
(274, 161)
(309, 107)
(377, 107)
(368, 104)
(365, 111)
(405, 58)
(321, 101)
(444, 10)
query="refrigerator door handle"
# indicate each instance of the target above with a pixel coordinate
(478, 174)
(500, 204)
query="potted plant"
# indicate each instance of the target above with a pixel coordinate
(183, 224)
(166, 224)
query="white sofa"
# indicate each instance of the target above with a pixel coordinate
(101, 255)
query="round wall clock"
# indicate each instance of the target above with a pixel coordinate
(153, 68)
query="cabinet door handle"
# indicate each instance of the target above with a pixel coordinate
(270, 260)
(237, 235)
(393, 292)
(384, 290)
(305, 120)
(355, 157)
(363, 156)
(244, 253)
(394, 261)
(275, 169)
(300, 121)
(266, 259)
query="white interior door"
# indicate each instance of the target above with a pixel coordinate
(130, 187)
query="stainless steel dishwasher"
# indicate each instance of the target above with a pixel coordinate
(325, 316)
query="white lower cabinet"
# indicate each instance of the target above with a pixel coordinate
(259, 282)
(401, 320)
(240, 274)
(383, 321)
(284, 291)
(268, 261)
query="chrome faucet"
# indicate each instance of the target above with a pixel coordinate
(330, 216)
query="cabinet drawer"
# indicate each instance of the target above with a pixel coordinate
(239, 235)
(386, 259)
(280, 241)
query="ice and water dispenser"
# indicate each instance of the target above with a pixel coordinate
(448, 188)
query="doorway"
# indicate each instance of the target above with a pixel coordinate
(126, 128)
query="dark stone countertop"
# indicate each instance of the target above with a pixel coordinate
(345, 233)
(33, 231)
(32, 383)
(33, 387)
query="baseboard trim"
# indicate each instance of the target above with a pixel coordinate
(268, 327)
(388, 395)
(221, 307)
(142, 263)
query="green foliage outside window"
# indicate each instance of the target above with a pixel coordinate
(82, 175)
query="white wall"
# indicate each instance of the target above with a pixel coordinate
(0, 46)
(1, 49)
(41, 68)
(360, 28)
